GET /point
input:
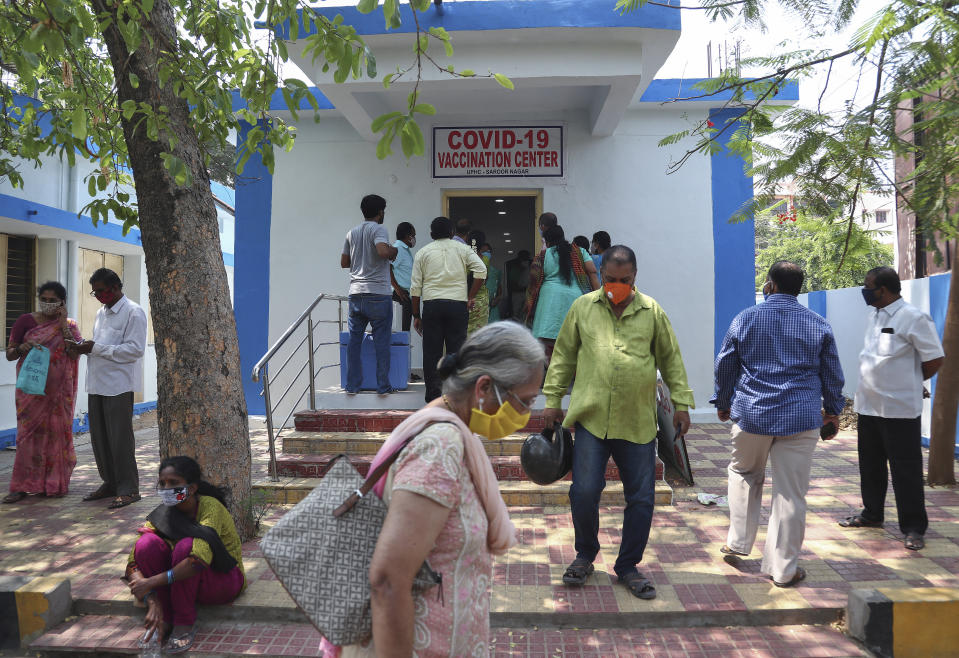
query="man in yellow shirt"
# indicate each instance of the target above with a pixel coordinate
(613, 340)
(439, 280)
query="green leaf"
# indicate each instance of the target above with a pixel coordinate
(147, 6)
(407, 142)
(424, 108)
(129, 107)
(367, 6)
(78, 123)
(389, 8)
(134, 80)
(101, 182)
(503, 80)
(419, 144)
(92, 186)
(467, 73)
(382, 120)
(370, 64)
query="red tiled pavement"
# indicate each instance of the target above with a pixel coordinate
(761, 642)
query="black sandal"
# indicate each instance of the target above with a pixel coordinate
(857, 521)
(577, 572)
(123, 501)
(14, 497)
(914, 541)
(639, 586)
(181, 642)
(795, 580)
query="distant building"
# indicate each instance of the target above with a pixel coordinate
(916, 258)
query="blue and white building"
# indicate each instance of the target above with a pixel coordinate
(43, 239)
(587, 113)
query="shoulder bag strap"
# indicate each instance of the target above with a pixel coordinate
(370, 481)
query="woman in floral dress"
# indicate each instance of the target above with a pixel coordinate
(444, 501)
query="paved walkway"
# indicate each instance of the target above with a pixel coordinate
(89, 544)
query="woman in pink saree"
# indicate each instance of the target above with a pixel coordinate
(45, 456)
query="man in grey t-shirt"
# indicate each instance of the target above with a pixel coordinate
(367, 252)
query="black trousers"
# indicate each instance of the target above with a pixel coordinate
(897, 441)
(444, 325)
(407, 307)
(114, 447)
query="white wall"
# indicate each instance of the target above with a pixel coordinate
(616, 183)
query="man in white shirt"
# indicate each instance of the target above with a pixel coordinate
(114, 372)
(901, 350)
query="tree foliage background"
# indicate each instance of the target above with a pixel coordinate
(817, 246)
(908, 56)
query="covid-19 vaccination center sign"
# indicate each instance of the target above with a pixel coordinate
(498, 151)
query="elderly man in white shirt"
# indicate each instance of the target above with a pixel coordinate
(902, 349)
(114, 372)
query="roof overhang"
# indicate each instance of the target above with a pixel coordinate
(561, 55)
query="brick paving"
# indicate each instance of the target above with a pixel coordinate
(88, 543)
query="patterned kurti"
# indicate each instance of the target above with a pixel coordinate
(432, 465)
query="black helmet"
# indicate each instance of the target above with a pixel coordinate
(548, 456)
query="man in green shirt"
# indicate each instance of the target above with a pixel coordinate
(614, 339)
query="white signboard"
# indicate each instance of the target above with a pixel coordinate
(498, 152)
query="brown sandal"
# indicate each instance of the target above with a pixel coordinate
(123, 501)
(14, 497)
(103, 491)
(795, 580)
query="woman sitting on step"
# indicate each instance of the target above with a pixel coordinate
(188, 553)
(444, 501)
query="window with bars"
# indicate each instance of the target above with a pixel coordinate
(19, 273)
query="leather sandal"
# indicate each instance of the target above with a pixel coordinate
(577, 572)
(913, 541)
(857, 521)
(14, 497)
(123, 501)
(103, 491)
(181, 642)
(726, 550)
(795, 580)
(639, 586)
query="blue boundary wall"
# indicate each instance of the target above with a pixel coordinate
(9, 437)
(734, 245)
(502, 15)
(251, 276)
(818, 302)
(938, 305)
(680, 90)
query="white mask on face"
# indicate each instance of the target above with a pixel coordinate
(49, 308)
(173, 496)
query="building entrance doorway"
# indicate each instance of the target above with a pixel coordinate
(508, 220)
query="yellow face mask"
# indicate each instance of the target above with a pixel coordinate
(504, 422)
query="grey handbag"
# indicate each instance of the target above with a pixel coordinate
(321, 551)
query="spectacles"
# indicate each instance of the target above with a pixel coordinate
(94, 293)
(527, 406)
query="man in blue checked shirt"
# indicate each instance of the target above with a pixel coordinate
(777, 369)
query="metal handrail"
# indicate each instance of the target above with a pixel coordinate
(262, 371)
(293, 327)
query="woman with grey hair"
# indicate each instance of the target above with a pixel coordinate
(444, 502)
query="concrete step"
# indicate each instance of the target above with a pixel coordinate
(371, 420)
(528, 494)
(505, 467)
(117, 635)
(367, 443)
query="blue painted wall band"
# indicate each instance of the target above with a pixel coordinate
(505, 15)
(251, 279)
(818, 302)
(734, 248)
(38, 213)
(938, 305)
(671, 89)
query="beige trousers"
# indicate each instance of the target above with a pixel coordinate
(790, 458)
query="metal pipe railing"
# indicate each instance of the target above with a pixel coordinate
(262, 368)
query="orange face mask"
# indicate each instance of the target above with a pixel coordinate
(617, 293)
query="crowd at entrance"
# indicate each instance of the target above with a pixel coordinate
(450, 288)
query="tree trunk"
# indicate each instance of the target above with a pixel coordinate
(201, 408)
(942, 440)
